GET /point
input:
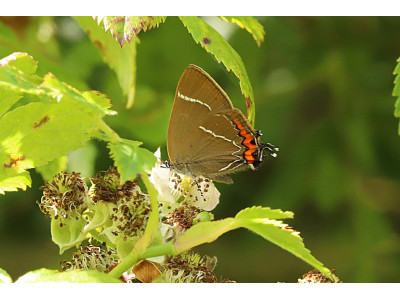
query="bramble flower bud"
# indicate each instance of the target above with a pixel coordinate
(122, 210)
(64, 197)
(189, 267)
(90, 258)
(182, 217)
(64, 200)
(316, 276)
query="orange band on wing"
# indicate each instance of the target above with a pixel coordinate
(248, 142)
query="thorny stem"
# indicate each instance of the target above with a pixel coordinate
(144, 242)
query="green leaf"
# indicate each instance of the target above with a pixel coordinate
(396, 89)
(11, 180)
(130, 159)
(215, 44)
(258, 212)
(250, 24)
(34, 134)
(203, 232)
(53, 167)
(57, 119)
(37, 133)
(259, 220)
(12, 74)
(4, 277)
(285, 237)
(124, 28)
(22, 62)
(121, 60)
(91, 102)
(76, 276)
(8, 98)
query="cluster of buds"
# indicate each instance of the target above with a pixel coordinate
(117, 213)
(91, 257)
(189, 267)
(316, 276)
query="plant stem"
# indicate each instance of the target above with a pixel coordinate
(111, 134)
(144, 242)
(127, 263)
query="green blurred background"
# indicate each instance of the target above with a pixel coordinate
(323, 89)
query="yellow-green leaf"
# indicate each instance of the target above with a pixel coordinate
(76, 276)
(250, 24)
(130, 159)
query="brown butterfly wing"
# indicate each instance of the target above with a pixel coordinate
(197, 95)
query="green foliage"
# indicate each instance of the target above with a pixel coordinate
(79, 276)
(130, 159)
(121, 59)
(330, 118)
(260, 220)
(124, 28)
(250, 24)
(215, 44)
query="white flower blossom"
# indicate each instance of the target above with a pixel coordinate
(171, 186)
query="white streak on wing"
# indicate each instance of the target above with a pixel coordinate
(193, 100)
(233, 154)
(227, 167)
(220, 136)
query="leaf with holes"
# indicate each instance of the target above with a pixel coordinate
(215, 44)
(250, 24)
(124, 28)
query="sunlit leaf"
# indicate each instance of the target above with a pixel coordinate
(123, 28)
(250, 24)
(77, 276)
(215, 44)
(11, 180)
(259, 220)
(130, 159)
(258, 212)
(59, 120)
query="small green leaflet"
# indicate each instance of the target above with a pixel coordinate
(124, 28)
(250, 24)
(215, 44)
(259, 220)
(130, 159)
(75, 276)
(396, 89)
